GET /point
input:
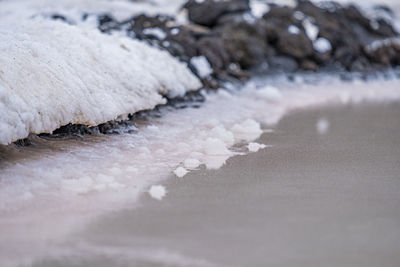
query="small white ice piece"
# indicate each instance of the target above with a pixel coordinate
(248, 130)
(180, 172)
(311, 29)
(157, 32)
(157, 192)
(270, 93)
(293, 29)
(322, 45)
(258, 8)
(254, 147)
(191, 163)
(322, 126)
(202, 66)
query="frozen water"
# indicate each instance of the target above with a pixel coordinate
(202, 66)
(157, 191)
(180, 172)
(254, 147)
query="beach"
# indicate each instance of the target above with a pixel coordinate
(314, 196)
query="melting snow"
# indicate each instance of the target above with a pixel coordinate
(202, 66)
(180, 172)
(293, 29)
(258, 8)
(322, 45)
(322, 126)
(157, 192)
(52, 74)
(254, 147)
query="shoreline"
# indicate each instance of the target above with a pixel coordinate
(309, 199)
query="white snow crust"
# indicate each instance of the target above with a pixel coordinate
(52, 74)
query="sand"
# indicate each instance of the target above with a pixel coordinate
(310, 198)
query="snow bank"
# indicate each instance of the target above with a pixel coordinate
(52, 74)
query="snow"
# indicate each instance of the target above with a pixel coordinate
(202, 66)
(157, 32)
(157, 192)
(258, 8)
(98, 174)
(322, 45)
(52, 74)
(248, 130)
(191, 163)
(375, 45)
(322, 126)
(293, 29)
(254, 147)
(269, 93)
(311, 29)
(180, 172)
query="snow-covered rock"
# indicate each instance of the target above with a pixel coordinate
(52, 74)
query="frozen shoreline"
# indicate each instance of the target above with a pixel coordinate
(96, 175)
(311, 198)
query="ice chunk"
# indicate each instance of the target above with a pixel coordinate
(254, 147)
(322, 126)
(311, 29)
(191, 163)
(322, 45)
(221, 133)
(270, 93)
(157, 192)
(180, 172)
(293, 29)
(248, 130)
(157, 32)
(214, 146)
(258, 8)
(202, 66)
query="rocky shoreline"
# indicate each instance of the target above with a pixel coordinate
(238, 37)
(233, 40)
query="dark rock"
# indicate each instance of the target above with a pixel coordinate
(245, 41)
(295, 45)
(213, 49)
(386, 53)
(282, 64)
(307, 64)
(108, 23)
(141, 22)
(59, 17)
(183, 42)
(207, 12)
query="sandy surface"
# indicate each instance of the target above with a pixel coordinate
(311, 199)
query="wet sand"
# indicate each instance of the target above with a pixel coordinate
(311, 199)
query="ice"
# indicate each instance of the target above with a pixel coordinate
(270, 93)
(322, 45)
(180, 172)
(258, 8)
(322, 126)
(293, 29)
(222, 134)
(215, 147)
(157, 32)
(202, 66)
(157, 192)
(53, 74)
(254, 147)
(311, 29)
(248, 130)
(191, 163)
